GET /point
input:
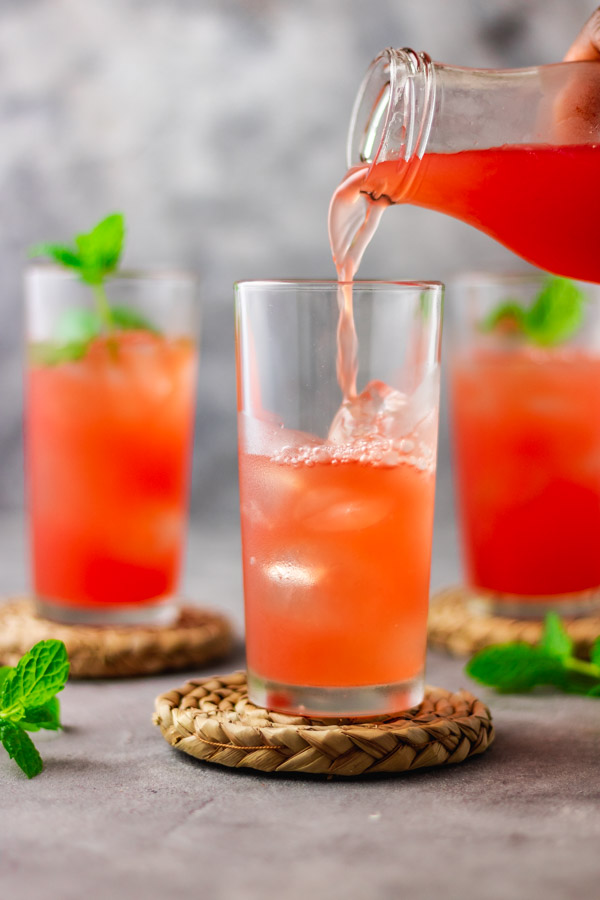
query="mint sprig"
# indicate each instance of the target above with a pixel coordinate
(517, 667)
(99, 251)
(555, 315)
(96, 253)
(20, 747)
(49, 353)
(28, 701)
(93, 256)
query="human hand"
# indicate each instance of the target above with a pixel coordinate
(586, 45)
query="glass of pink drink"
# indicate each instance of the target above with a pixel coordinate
(108, 430)
(526, 434)
(338, 412)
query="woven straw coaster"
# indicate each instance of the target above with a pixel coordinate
(195, 638)
(454, 627)
(213, 720)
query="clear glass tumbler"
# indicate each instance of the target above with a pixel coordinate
(525, 412)
(337, 493)
(110, 396)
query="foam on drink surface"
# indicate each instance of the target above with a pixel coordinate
(379, 427)
(367, 452)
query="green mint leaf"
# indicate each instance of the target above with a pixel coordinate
(595, 652)
(557, 312)
(78, 326)
(4, 670)
(574, 681)
(555, 640)
(509, 315)
(21, 748)
(96, 253)
(46, 716)
(130, 320)
(555, 315)
(50, 354)
(100, 249)
(514, 667)
(38, 676)
(425, 305)
(65, 256)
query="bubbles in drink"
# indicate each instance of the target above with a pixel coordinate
(370, 451)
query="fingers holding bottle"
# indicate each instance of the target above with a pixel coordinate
(586, 45)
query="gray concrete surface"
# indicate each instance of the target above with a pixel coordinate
(118, 814)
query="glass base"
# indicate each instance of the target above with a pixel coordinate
(163, 613)
(336, 702)
(488, 603)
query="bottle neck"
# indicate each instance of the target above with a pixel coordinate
(394, 109)
(407, 106)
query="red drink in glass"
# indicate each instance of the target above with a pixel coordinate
(526, 431)
(108, 449)
(526, 435)
(336, 586)
(108, 453)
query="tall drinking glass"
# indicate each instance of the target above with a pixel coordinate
(110, 394)
(337, 493)
(526, 431)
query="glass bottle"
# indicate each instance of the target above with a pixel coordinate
(515, 153)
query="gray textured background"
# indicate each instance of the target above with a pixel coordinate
(219, 128)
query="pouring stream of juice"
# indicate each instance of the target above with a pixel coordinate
(353, 220)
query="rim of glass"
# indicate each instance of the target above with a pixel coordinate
(156, 273)
(316, 283)
(481, 282)
(484, 278)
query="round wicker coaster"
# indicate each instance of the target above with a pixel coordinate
(213, 720)
(454, 627)
(196, 637)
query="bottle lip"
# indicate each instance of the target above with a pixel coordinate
(387, 99)
(371, 106)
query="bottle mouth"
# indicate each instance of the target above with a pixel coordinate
(391, 117)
